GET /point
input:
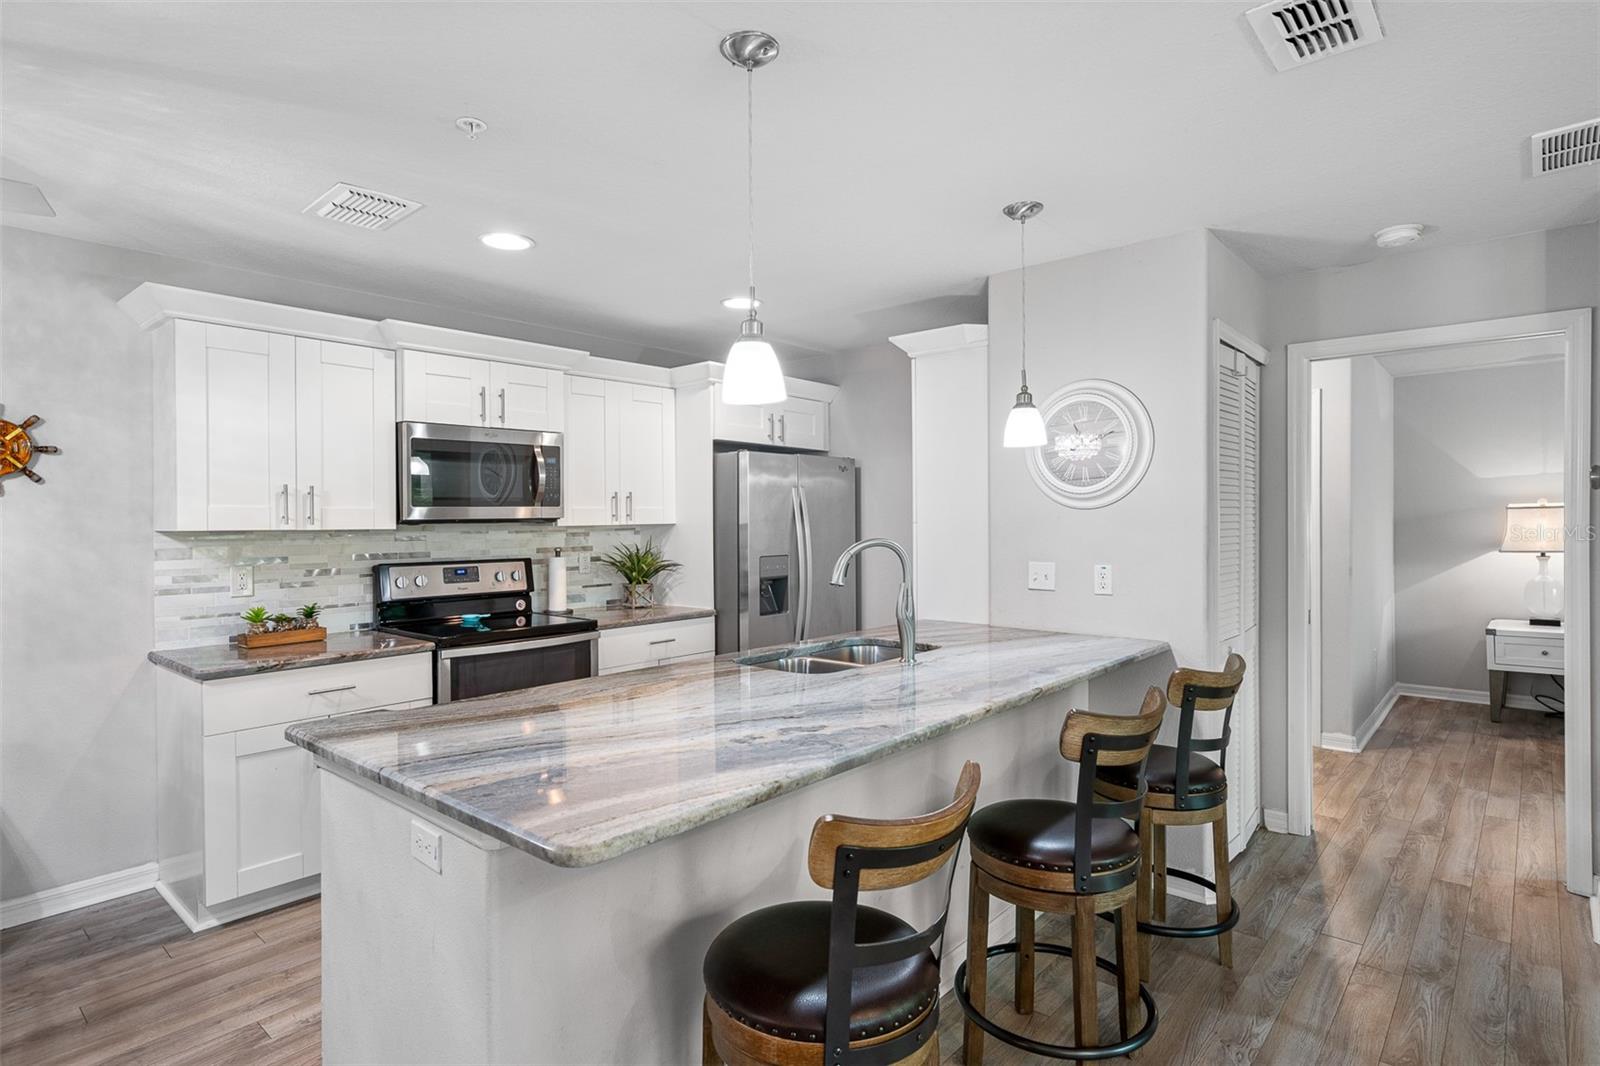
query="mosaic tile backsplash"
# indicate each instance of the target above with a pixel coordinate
(193, 604)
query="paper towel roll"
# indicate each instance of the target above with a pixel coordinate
(557, 584)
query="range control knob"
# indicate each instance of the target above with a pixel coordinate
(422, 580)
(516, 575)
(522, 605)
(400, 582)
(499, 575)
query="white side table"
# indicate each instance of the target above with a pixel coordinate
(1517, 646)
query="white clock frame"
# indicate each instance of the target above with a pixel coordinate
(1141, 445)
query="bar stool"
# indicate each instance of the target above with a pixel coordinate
(838, 983)
(1185, 788)
(1077, 858)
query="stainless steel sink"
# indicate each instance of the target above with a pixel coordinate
(851, 653)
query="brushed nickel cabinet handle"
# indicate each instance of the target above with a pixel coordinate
(771, 433)
(502, 407)
(630, 507)
(613, 507)
(285, 492)
(329, 691)
(483, 404)
(311, 506)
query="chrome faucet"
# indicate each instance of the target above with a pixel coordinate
(905, 611)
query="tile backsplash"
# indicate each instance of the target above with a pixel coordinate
(193, 604)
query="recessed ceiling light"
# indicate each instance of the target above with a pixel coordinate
(740, 303)
(507, 242)
(1396, 236)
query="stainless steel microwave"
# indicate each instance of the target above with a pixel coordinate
(476, 474)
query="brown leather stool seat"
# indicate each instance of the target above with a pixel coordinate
(1161, 772)
(769, 970)
(1040, 834)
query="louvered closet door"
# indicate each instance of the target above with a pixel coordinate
(1238, 544)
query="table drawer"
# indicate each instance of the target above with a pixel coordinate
(1530, 653)
(632, 647)
(284, 696)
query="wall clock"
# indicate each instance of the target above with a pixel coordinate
(1098, 444)
(17, 449)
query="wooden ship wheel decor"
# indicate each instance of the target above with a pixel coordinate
(17, 449)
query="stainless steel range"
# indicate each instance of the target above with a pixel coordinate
(478, 615)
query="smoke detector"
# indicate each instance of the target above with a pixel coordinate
(361, 207)
(1576, 145)
(1297, 32)
(1398, 236)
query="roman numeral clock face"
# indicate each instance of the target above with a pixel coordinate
(1098, 444)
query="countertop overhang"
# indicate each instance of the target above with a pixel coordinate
(213, 662)
(584, 771)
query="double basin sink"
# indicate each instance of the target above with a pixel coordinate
(851, 653)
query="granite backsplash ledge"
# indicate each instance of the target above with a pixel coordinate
(193, 604)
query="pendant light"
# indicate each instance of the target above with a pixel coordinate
(1024, 425)
(752, 375)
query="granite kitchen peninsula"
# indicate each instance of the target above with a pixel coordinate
(535, 876)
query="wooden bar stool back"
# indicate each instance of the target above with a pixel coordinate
(1078, 858)
(1186, 787)
(838, 983)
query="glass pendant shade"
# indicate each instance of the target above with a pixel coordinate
(1024, 425)
(752, 374)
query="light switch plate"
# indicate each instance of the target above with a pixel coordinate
(1042, 577)
(241, 581)
(1102, 579)
(425, 845)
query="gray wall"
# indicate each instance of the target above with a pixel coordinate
(1466, 444)
(1525, 274)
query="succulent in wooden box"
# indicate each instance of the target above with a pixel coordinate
(256, 618)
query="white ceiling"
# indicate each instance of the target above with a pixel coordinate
(889, 135)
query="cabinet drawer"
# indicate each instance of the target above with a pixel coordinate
(1529, 652)
(237, 703)
(633, 647)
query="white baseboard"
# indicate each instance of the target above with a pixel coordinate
(1466, 695)
(1354, 744)
(1594, 912)
(83, 893)
(266, 900)
(1275, 821)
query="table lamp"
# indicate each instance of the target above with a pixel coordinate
(1537, 527)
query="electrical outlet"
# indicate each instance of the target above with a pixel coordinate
(1042, 577)
(242, 581)
(1102, 579)
(425, 845)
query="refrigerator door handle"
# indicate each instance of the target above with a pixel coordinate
(803, 564)
(805, 555)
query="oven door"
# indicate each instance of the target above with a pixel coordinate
(485, 669)
(467, 474)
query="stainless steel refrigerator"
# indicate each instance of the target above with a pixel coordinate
(780, 522)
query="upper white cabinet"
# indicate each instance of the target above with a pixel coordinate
(795, 423)
(620, 453)
(259, 430)
(469, 391)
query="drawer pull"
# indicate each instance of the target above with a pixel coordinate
(328, 691)
(669, 640)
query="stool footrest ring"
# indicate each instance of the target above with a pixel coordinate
(1057, 1051)
(1192, 932)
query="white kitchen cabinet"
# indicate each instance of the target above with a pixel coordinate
(264, 431)
(795, 423)
(620, 454)
(640, 647)
(462, 390)
(344, 436)
(237, 818)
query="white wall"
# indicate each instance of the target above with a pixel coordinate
(1525, 274)
(1466, 444)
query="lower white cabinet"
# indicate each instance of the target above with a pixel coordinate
(237, 827)
(640, 647)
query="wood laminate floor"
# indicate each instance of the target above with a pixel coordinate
(1423, 924)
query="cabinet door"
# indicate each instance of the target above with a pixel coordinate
(452, 389)
(802, 424)
(588, 478)
(525, 397)
(645, 439)
(241, 381)
(749, 425)
(344, 436)
(260, 813)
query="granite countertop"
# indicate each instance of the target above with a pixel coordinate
(617, 617)
(213, 661)
(585, 771)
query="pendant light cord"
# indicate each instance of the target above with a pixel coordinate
(1023, 240)
(750, 176)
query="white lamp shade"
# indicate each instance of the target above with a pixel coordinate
(1534, 527)
(752, 375)
(1024, 427)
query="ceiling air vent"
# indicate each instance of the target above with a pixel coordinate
(1569, 146)
(355, 206)
(1297, 32)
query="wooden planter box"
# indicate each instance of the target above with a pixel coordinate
(283, 636)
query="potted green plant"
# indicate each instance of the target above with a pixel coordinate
(256, 619)
(308, 615)
(281, 622)
(639, 565)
